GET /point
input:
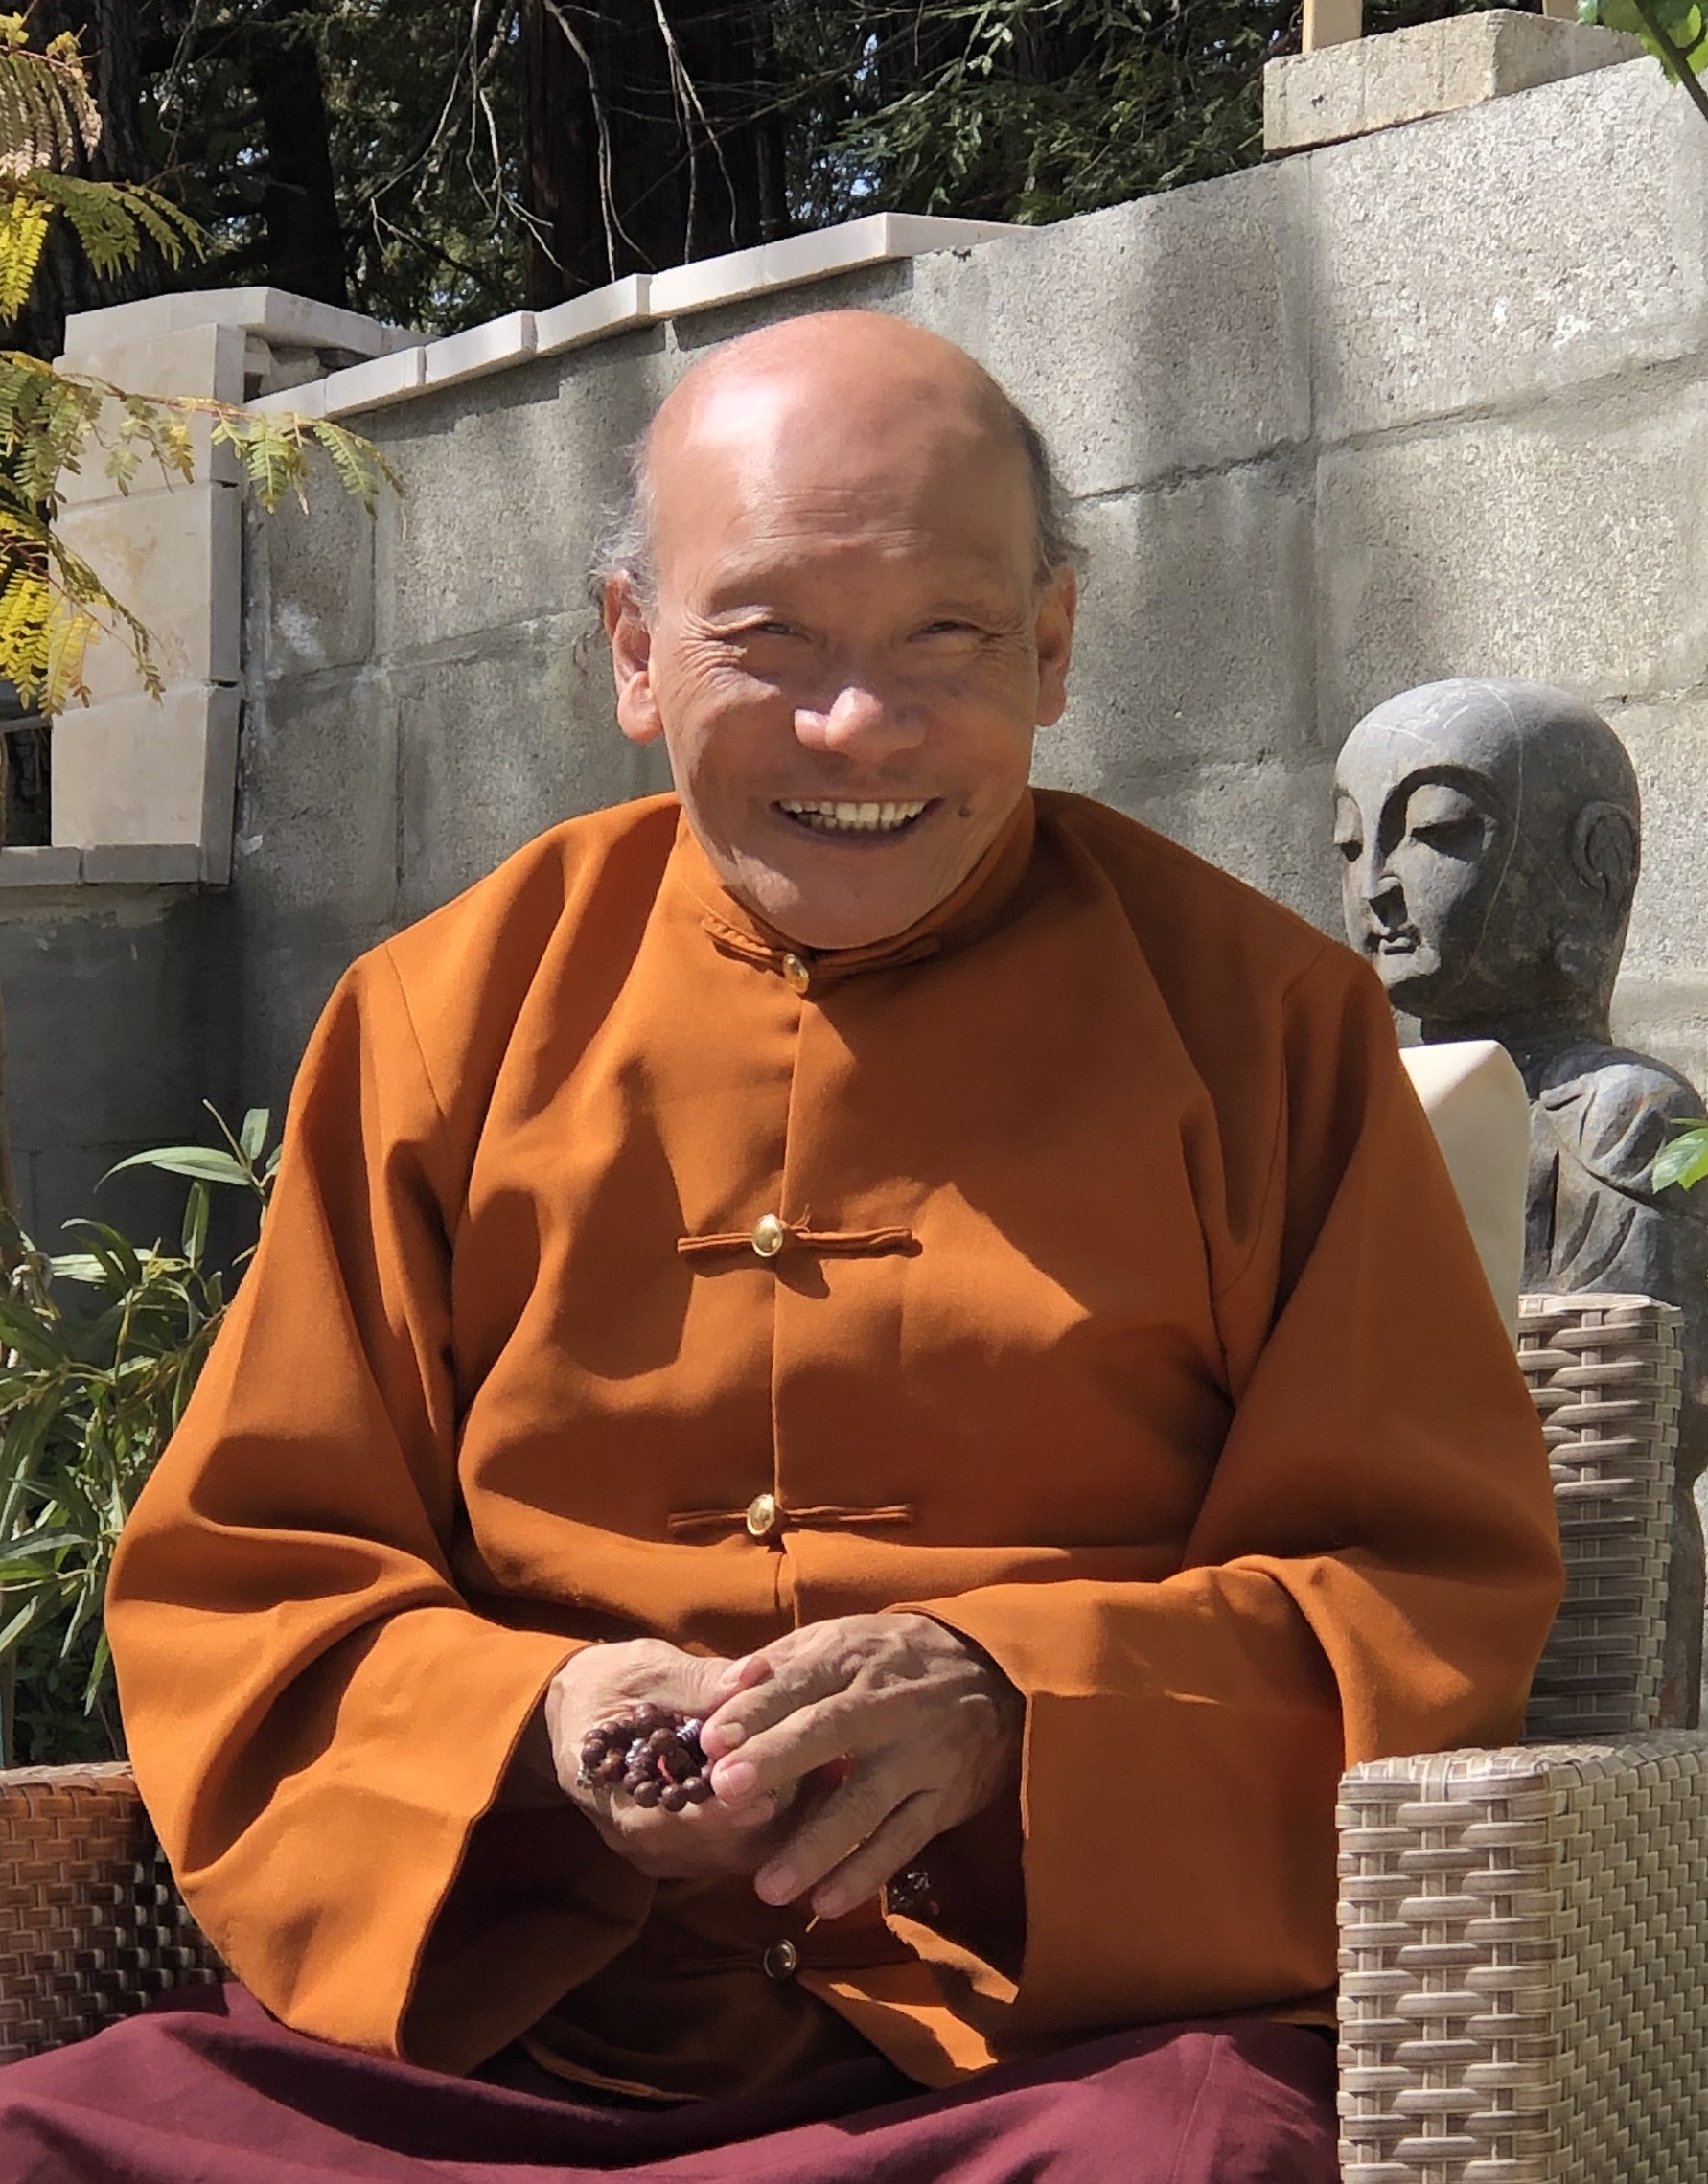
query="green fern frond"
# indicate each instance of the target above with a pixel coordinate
(47, 111)
(271, 450)
(25, 213)
(168, 227)
(362, 468)
(113, 220)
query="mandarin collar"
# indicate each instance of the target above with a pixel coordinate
(960, 917)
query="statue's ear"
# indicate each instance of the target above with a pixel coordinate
(1605, 855)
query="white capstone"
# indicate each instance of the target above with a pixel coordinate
(481, 349)
(611, 310)
(307, 398)
(296, 322)
(799, 259)
(376, 384)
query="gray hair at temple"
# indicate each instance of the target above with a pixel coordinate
(623, 543)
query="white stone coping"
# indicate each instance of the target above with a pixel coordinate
(163, 863)
(288, 321)
(411, 365)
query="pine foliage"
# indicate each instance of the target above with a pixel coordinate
(52, 602)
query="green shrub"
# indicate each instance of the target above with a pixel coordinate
(100, 1349)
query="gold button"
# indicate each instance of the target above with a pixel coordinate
(780, 1960)
(796, 974)
(768, 1234)
(763, 1515)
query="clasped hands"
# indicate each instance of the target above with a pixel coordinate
(837, 1752)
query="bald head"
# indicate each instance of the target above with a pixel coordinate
(851, 380)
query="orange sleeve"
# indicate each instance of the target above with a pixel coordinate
(1374, 1570)
(317, 1718)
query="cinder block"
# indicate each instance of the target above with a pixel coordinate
(1430, 68)
(1266, 821)
(174, 559)
(1568, 546)
(318, 803)
(29, 865)
(609, 309)
(499, 742)
(1167, 335)
(192, 361)
(152, 864)
(1666, 1015)
(503, 497)
(1669, 935)
(133, 771)
(308, 582)
(373, 385)
(1193, 638)
(1509, 252)
(482, 349)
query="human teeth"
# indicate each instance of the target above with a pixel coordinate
(870, 819)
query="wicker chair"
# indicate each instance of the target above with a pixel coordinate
(1525, 1989)
(1524, 1933)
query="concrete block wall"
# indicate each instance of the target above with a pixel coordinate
(1431, 400)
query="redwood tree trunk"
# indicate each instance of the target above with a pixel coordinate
(305, 237)
(645, 138)
(106, 30)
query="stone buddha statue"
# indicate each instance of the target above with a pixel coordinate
(1490, 835)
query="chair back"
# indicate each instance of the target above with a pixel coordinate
(1605, 1371)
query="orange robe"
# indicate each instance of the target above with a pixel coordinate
(1126, 1321)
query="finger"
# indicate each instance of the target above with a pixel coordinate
(850, 1816)
(896, 1843)
(750, 1668)
(766, 1691)
(775, 1761)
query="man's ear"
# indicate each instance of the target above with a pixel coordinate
(1057, 605)
(630, 660)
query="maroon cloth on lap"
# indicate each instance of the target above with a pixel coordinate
(209, 2089)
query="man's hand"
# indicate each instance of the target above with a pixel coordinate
(924, 1726)
(604, 1681)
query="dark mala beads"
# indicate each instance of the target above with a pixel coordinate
(653, 1753)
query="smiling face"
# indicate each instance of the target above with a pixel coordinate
(848, 647)
(1426, 841)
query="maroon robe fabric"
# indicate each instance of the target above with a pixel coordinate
(212, 2090)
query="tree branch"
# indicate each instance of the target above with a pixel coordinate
(1677, 59)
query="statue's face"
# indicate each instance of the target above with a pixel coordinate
(1426, 844)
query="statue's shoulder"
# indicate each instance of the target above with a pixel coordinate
(1614, 1109)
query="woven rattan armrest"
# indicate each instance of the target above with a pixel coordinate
(93, 1926)
(1524, 1938)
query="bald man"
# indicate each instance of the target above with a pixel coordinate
(878, 1267)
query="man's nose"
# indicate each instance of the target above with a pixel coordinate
(859, 721)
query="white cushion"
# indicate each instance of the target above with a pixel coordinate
(1476, 1101)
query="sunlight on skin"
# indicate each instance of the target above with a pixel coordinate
(847, 614)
